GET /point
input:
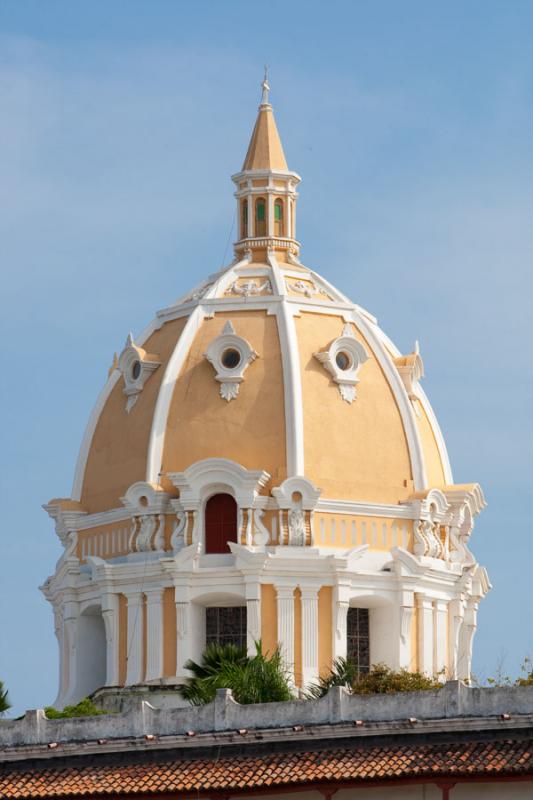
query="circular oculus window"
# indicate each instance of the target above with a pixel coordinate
(136, 370)
(231, 358)
(343, 360)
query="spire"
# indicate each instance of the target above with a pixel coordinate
(265, 150)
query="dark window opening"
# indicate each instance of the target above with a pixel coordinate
(226, 625)
(220, 523)
(358, 636)
(260, 217)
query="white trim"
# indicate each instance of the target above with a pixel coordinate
(405, 407)
(166, 390)
(366, 509)
(81, 463)
(426, 405)
(439, 438)
(292, 381)
(172, 372)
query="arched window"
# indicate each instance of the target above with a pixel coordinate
(220, 523)
(244, 219)
(260, 217)
(278, 218)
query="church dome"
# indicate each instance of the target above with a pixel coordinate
(317, 388)
(263, 465)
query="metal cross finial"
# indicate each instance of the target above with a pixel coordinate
(266, 88)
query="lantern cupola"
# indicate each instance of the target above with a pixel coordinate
(266, 191)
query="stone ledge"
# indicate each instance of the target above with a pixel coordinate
(454, 700)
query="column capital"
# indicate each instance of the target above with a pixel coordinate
(310, 592)
(154, 595)
(285, 592)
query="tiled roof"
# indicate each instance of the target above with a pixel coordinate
(245, 773)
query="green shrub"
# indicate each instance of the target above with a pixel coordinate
(85, 708)
(261, 678)
(4, 700)
(379, 680)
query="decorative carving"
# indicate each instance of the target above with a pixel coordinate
(343, 359)
(341, 620)
(230, 356)
(143, 529)
(411, 369)
(136, 366)
(307, 287)
(196, 293)
(296, 519)
(261, 534)
(177, 538)
(249, 288)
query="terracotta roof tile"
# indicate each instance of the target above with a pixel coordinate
(246, 773)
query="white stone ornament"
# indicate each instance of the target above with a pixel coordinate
(343, 359)
(230, 356)
(249, 288)
(136, 366)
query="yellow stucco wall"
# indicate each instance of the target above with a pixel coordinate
(353, 451)
(250, 429)
(325, 630)
(117, 456)
(169, 633)
(269, 618)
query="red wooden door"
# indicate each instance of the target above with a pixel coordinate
(220, 523)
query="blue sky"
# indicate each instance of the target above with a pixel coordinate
(411, 125)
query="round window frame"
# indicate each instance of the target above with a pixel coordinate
(342, 353)
(231, 349)
(135, 370)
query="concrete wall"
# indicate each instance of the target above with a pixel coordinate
(454, 700)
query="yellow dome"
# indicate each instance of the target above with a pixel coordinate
(366, 433)
(326, 395)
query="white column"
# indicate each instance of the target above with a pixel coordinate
(309, 634)
(249, 200)
(154, 634)
(466, 640)
(134, 652)
(440, 624)
(70, 630)
(110, 615)
(285, 597)
(341, 604)
(183, 634)
(455, 621)
(270, 218)
(425, 634)
(405, 653)
(253, 624)
(288, 220)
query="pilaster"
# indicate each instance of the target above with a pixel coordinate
(425, 634)
(285, 597)
(440, 620)
(456, 613)
(309, 634)
(134, 652)
(405, 654)
(110, 615)
(154, 634)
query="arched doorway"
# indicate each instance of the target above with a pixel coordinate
(220, 523)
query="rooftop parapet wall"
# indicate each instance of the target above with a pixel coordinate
(454, 700)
